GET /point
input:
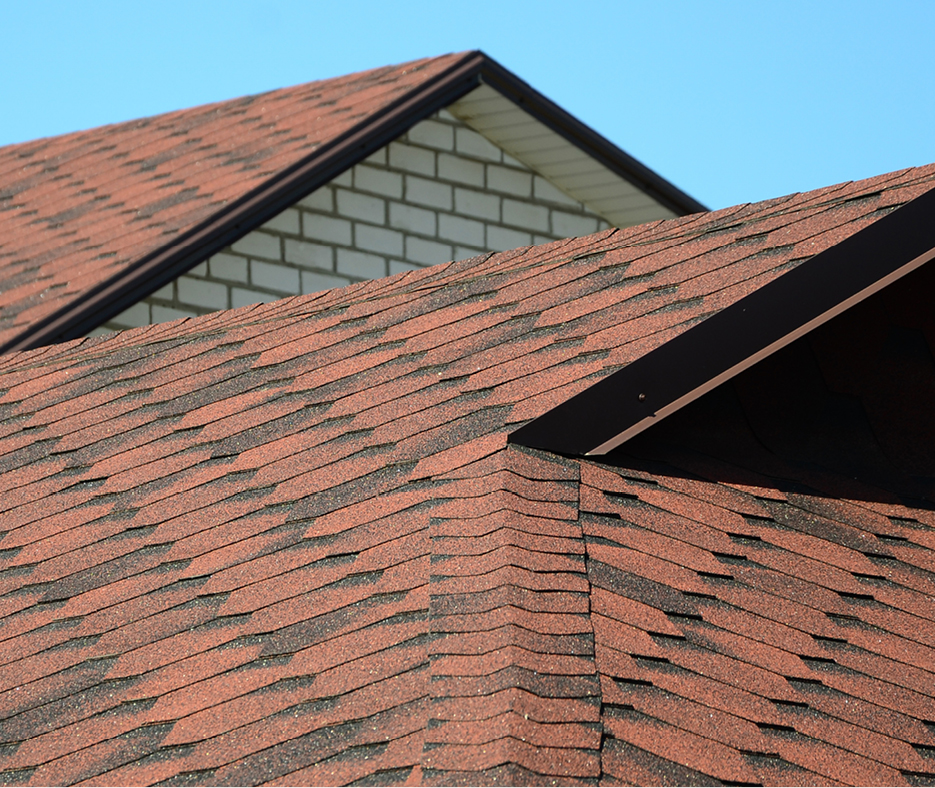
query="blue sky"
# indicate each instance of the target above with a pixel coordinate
(732, 101)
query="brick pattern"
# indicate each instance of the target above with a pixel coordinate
(441, 192)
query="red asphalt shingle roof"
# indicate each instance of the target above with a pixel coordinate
(79, 209)
(290, 544)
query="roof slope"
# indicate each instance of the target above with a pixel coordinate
(289, 543)
(80, 208)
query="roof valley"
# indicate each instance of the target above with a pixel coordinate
(512, 655)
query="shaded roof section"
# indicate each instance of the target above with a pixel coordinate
(93, 221)
(757, 619)
(290, 542)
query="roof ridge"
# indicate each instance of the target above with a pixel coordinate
(492, 614)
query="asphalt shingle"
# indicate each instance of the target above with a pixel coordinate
(290, 543)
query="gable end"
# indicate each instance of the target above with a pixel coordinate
(92, 305)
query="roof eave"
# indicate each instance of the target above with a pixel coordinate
(600, 148)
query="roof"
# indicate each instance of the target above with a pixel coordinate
(94, 221)
(291, 542)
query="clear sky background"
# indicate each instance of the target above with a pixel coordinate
(731, 101)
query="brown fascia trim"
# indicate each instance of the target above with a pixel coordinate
(634, 398)
(242, 216)
(603, 150)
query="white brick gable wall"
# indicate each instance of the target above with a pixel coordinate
(441, 192)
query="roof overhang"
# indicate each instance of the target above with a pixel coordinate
(569, 154)
(658, 384)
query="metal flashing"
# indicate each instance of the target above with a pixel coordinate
(658, 384)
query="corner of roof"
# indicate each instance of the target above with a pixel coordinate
(587, 139)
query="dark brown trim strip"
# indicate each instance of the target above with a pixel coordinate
(627, 402)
